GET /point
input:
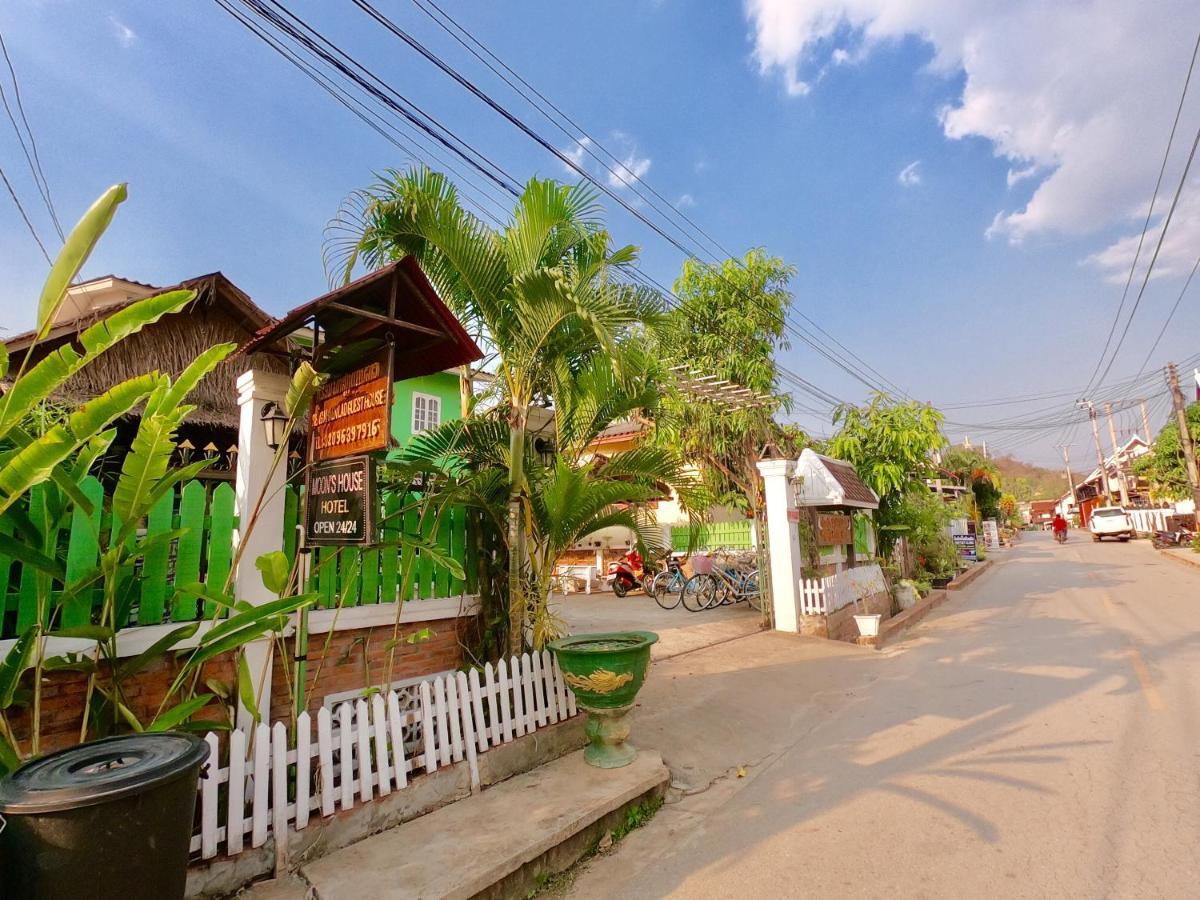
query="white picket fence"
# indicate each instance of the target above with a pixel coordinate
(368, 748)
(821, 596)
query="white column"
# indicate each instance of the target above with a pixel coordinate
(783, 542)
(256, 479)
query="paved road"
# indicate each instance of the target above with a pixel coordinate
(1039, 736)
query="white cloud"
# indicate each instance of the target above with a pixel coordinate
(1017, 175)
(622, 170)
(577, 154)
(1078, 96)
(910, 175)
(685, 201)
(126, 36)
(840, 56)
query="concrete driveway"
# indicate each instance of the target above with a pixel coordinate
(1035, 737)
(678, 630)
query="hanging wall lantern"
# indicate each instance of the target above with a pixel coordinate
(274, 422)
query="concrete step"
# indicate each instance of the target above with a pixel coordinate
(497, 843)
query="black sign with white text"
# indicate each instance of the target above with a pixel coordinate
(340, 502)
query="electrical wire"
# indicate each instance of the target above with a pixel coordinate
(30, 151)
(25, 216)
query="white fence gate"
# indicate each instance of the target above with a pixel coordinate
(369, 748)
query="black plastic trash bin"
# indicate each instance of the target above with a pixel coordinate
(108, 819)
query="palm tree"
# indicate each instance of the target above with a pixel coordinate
(544, 292)
(571, 496)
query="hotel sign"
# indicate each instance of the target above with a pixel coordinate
(352, 414)
(834, 530)
(340, 502)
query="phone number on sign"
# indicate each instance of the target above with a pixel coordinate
(350, 434)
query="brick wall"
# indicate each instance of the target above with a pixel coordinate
(64, 695)
(357, 658)
(354, 659)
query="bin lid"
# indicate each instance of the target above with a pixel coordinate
(100, 771)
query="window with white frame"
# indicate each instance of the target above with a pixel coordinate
(426, 413)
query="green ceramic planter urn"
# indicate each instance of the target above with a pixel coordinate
(605, 672)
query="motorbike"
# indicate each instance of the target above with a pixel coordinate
(1165, 539)
(625, 577)
(1060, 536)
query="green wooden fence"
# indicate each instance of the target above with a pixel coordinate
(202, 552)
(381, 570)
(716, 536)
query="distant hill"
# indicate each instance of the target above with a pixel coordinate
(1026, 481)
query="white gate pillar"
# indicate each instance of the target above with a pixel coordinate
(783, 541)
(256, 479)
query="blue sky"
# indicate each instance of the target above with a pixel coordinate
(959, 201)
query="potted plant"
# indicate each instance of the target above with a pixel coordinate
(605, 672)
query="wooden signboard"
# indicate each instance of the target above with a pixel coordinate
(834, 531)
(340, 502)
(352, 414)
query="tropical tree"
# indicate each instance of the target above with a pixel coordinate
(546, 292)
(729, 324)
(572, 494)
(1164, 466)
(891, 445)
(970, 468)
(44, 459)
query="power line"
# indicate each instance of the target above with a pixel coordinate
(31, 152)
(21, 209)
(587, 141)
(571, 163)
(1145, 226)
(350, 69)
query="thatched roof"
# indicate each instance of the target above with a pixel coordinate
(220, 313)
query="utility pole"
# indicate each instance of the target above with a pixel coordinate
(1066, 452)
(1112, 436)
(1146, 424)
(1103, 470)
(1185, 435)
(985, 456)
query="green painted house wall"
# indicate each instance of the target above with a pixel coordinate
(443, 385)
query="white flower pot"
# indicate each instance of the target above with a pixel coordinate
(868, 626)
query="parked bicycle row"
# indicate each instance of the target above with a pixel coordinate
(715, 579)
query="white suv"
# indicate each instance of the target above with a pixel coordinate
(1110, 521)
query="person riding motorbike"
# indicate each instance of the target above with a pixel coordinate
(1060, 528)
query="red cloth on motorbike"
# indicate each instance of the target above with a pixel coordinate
(1060, 524)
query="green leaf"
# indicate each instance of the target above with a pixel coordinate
(3, 361)
(275, 571)
(33, 464)
(90, 632)
(218, 687)
(255, 616)
(157, 649)
(300, 392)
(246, 688)
(49, 373)
(17, 662)
(199, 368)
(418, 637)
(10, 760)
(77, 248)
(72, 662)
(21, 551)
(200, 590)
(179, 713)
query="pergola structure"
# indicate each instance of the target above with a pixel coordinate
(715, 389)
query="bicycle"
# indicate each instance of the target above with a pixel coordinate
(721, 585)
(668, 584)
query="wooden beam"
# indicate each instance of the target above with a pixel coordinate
(400, 323)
